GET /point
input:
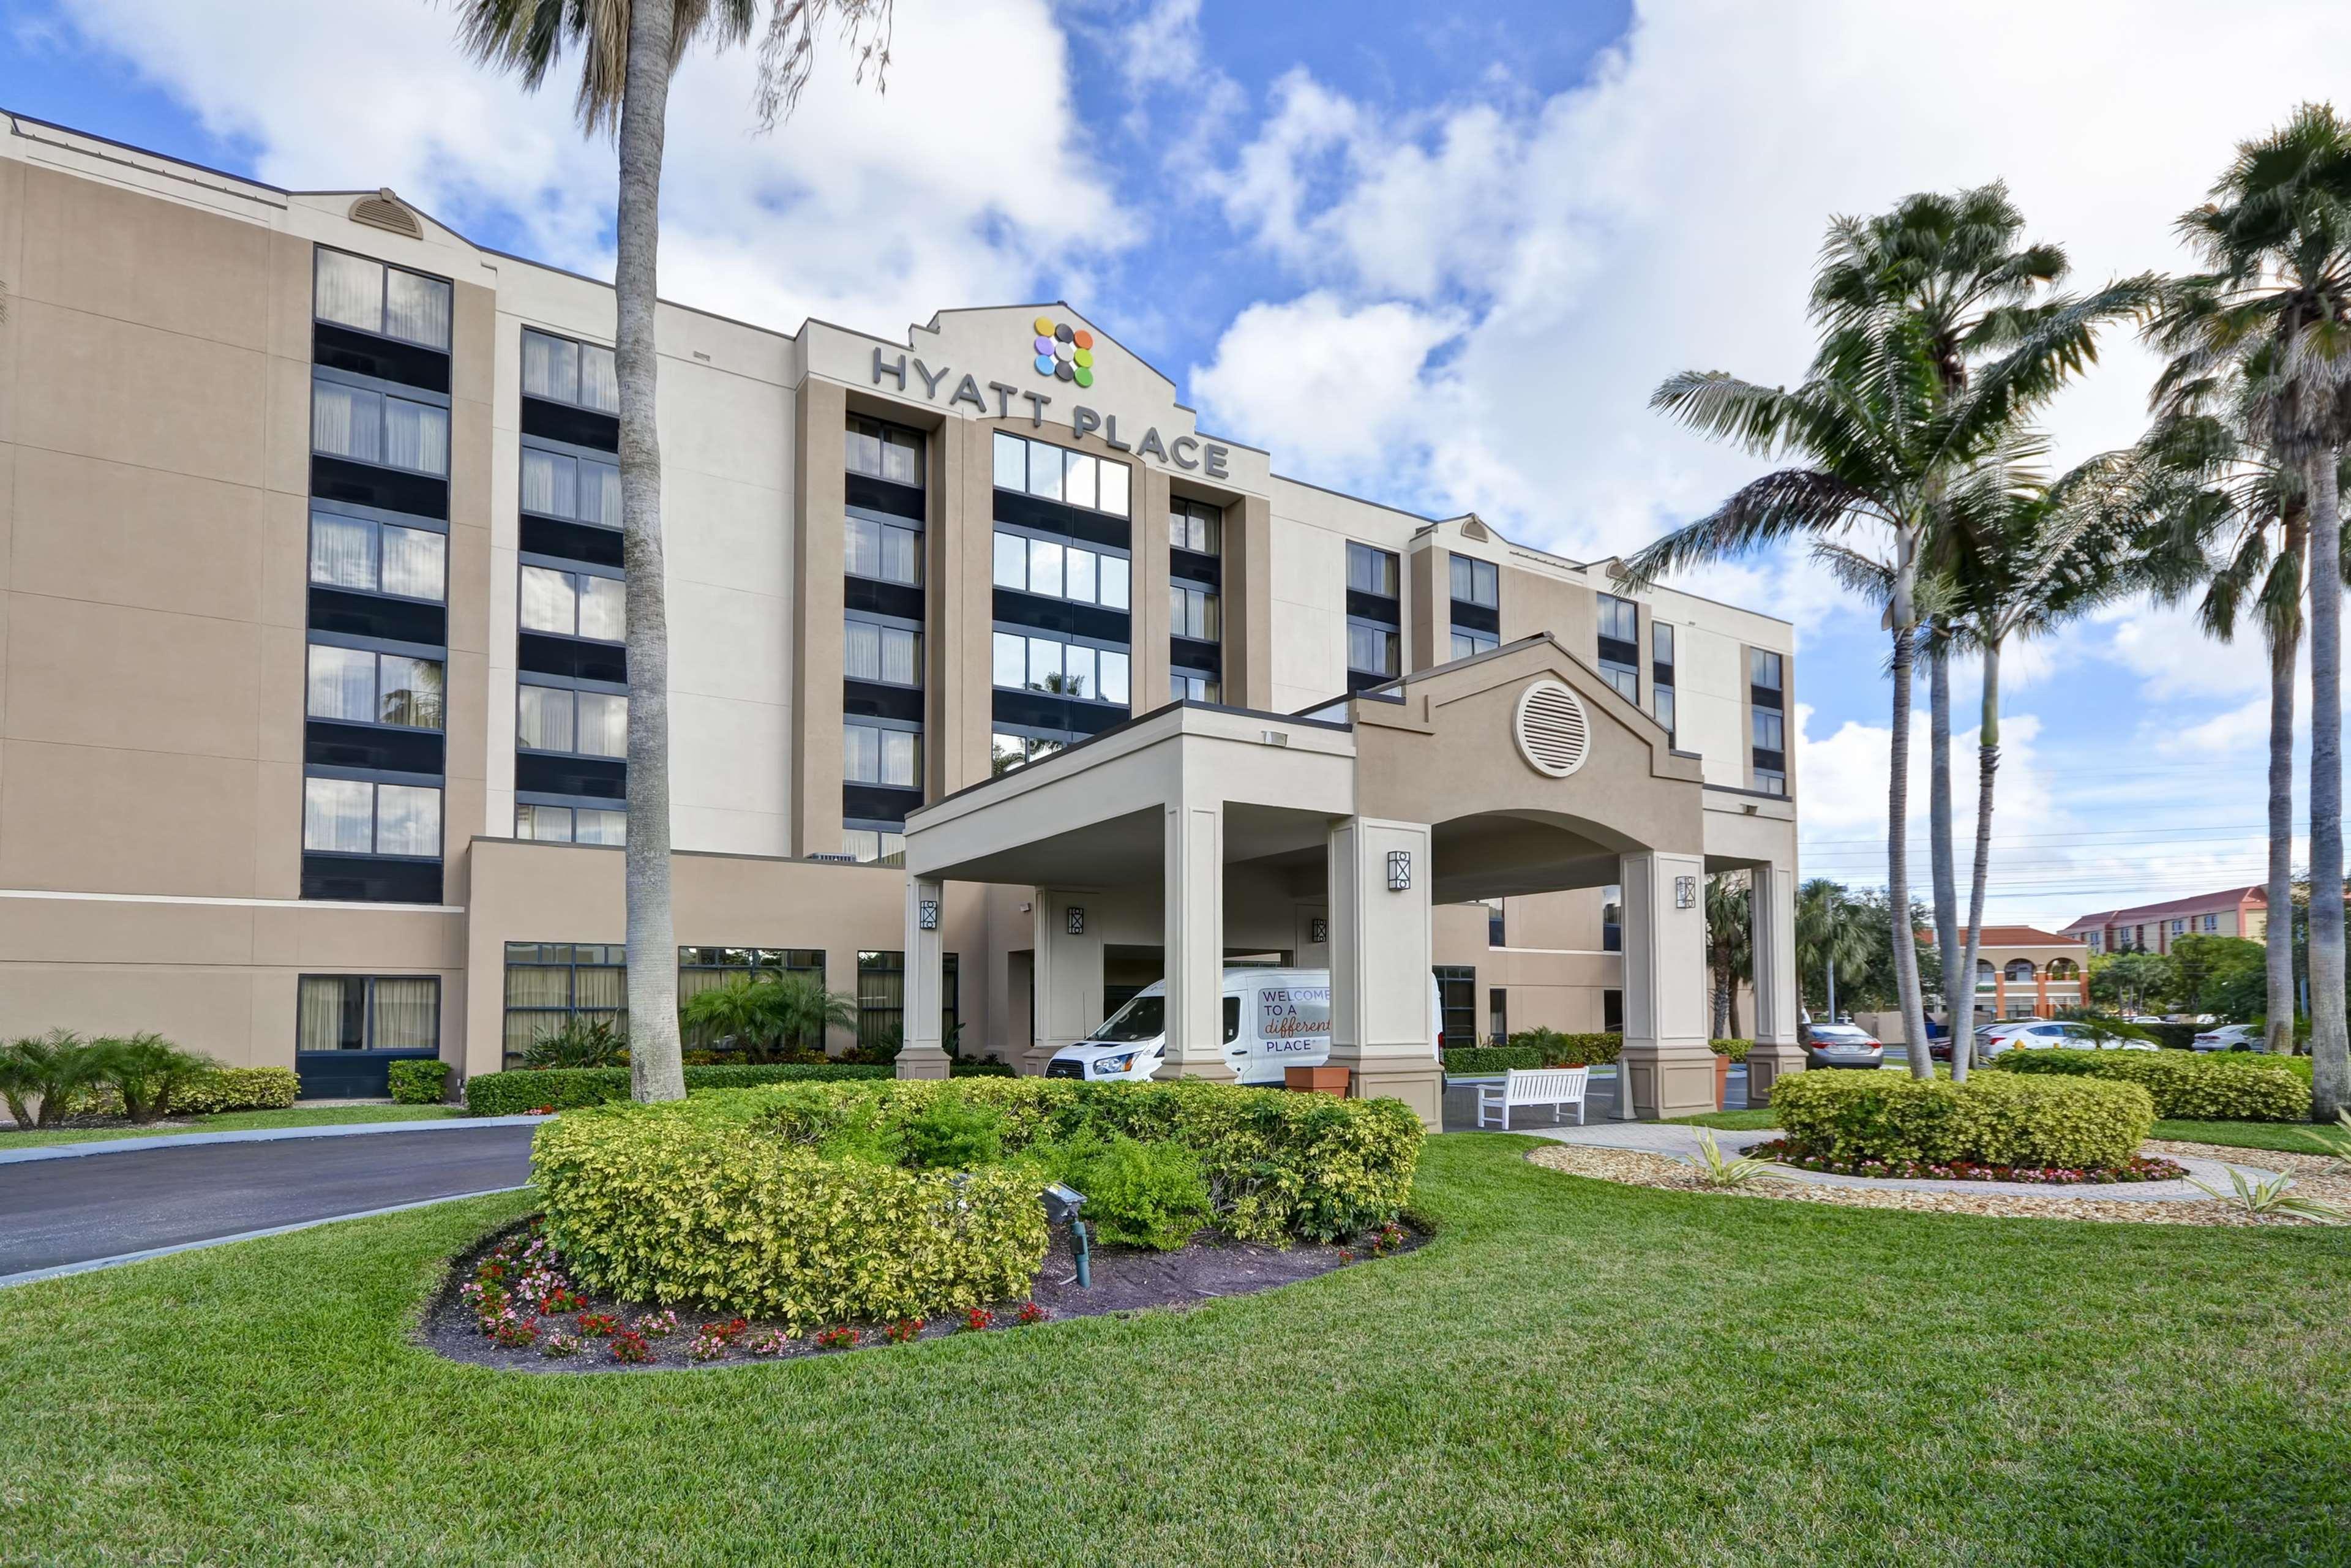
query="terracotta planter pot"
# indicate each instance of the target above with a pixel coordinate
(1721, 1083)
(1316, 1080)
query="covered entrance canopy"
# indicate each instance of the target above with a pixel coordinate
(1327, 837)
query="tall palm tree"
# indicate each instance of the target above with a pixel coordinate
(628, 50)
(1831, 932)
(1879, 437)
(1729, 947)
(2275, 301)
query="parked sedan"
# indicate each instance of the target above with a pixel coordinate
(2229, 1036)
(1841, 1045)
(2049, 1034)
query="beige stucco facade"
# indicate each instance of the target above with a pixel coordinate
(159, 606)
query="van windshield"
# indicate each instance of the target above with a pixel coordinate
(1144, 1018)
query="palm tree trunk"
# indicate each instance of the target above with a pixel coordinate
(1832, 987)
(655, 1069)
(2330, 1070)
(1958, 1004)
(1897, 818)
(1987, 768)
(2280, 935)
(1722, 983)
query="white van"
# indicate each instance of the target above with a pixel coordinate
(1274, 1019)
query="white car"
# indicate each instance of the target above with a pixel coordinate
(2229, 1036)
(2049, 1034)
(1274, 1019)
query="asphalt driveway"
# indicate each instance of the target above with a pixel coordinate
(65, 1211)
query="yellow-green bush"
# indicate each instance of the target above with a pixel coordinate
(238, 1089)
(2230, 1086)
(1996, 1119)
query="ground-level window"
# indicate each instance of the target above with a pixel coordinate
(1612, 1011)
(551, 984)
(1456, 991)
(701, 969)
(1498, 1016)
(880, 999)
(368, 1012)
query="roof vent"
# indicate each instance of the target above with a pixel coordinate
(1474, 530)
(1554, 735)
(385, 211)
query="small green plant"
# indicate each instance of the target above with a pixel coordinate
(42, 1077)
(580, 1042)
(147, 1070)
(2272, 1198)
(1715, 1169)
(952, 1134)
(1137, 1194)
(418, 1083)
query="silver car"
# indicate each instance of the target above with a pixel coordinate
(1841, 1045)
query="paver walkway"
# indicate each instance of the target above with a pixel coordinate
(1681, 1143)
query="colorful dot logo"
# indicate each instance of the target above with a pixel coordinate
(1065, 353)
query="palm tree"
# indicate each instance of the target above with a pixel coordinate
(1880, 438)
(2276, 302)
(765, 1009)
(628, 50)
(1830, 932)
(1730, 952)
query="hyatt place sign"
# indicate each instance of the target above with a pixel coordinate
(1186, 452)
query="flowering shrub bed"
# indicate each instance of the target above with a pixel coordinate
(2221, 1086)
(2139, 1167)
(1993, 1119)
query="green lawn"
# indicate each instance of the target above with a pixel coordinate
(235, 1121)
(1571, 1372)
(1731, 1121)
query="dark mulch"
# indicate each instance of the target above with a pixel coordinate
(1125, 1279)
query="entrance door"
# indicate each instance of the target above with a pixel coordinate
(1457, 994)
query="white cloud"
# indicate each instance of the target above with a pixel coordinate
(964, 185)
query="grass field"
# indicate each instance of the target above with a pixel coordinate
(1570, 1372)
(232, 1122)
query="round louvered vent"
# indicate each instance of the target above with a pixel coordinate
(1554, 737)
(385, 211)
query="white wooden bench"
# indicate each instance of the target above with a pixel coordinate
(1553, 1086)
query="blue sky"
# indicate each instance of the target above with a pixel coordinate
(1433, 255)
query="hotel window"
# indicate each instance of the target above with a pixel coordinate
(1008, 751)
(368, 1012)
(1457, 988)
(1468, 644)
(1042, 564)
(885, 452)
(1770, 730)
(886, 552)
(874, 843)
(1074, 478)
(390, 301)
(562, 371)
(1498, 1016)
(1195, 526)
(1620, 619)
(1371, 570)
(875, 754)
(1183, 687)
(570, 824)
(551, 984)
(577, 487)
(2211, 923)
(358, 817)
(1372, 649)
(373, 557)
(1624, 677)
(1476, 581)
(1764, 673)
(1620, 646)
(1029, 662)
(1192, 612)
(1766, 677)
(880, 998)
(1661, 674)
(701, 969)
(1497, 931)
(1612, 919)
(368, 425)
(357, 686)
(572, 723)
(888, 651)
(574, 603)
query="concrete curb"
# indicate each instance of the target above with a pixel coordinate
(260, 1136)
(59, 1271)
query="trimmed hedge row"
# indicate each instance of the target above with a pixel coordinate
(1547, 1048)
(518, 1092)
(2231, 1086)
(793, 1202)
(1993, 1119)
(217, 1089)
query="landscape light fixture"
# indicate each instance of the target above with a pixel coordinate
(1061, 1205)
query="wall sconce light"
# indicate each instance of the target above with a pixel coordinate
(927, 915)
(1074, 919)
(1685, 892)
(1318, 932)
(1399, 871)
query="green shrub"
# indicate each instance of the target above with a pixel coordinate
(1137, 1194)
(1735, 1050)
(2223, 1086)
(980, 1067)
(580, 1042)
(237, 1089)
(148, 1073)
(419, 1082)
(1557, 1050)
(1999, 1119)
(44, 1077)
(569, 1089)
(952, 1134)
(1485, 1061)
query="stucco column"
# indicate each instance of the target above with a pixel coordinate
(1192, 912)
(922, 1053)
(1068, 973)
(1772, 894)
(1381, 938)
(1666, 1068)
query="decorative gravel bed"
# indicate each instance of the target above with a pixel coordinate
(2315, 1175)
(508, 1303)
